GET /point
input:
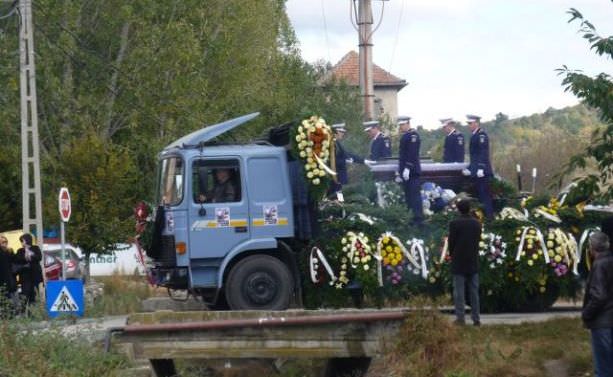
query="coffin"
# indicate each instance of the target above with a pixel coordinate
(446, 175)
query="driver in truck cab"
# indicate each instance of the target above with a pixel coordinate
(224, 190)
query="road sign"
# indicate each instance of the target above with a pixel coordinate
(64, 297)
(64, 204)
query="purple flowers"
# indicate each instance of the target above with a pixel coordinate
(560, 269)
(394, 274)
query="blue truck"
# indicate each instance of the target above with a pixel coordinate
(223, 221)
(231, 219)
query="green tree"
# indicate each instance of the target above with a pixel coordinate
(134, 76)
(596, 92)
(102, 179)
(10, 173)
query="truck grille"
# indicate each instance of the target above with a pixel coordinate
(167, 255)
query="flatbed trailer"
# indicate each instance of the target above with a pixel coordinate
(347, 339)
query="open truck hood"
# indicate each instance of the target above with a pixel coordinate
(210, 132)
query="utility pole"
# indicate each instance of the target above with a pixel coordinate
(365, 22)
(30, 157)
(362, 21)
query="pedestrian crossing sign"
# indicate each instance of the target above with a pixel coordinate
(65, 297)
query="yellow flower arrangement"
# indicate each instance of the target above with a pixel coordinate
(531, 245)
(390, 250)
(563, 251)
(390, 254)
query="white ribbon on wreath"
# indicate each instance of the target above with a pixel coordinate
(379, 258)
(362, 217)
(417, 248)
(584, 236)
(512, 213)
(445, 250)
(315, 256)
(576, 255)
(569, 253)
(539, 235)
(352, 238)
(323, 165)
(548, 216)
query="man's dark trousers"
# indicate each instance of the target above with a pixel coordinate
(412, 196)
(484, 194)
(472, 283)
(602, 349)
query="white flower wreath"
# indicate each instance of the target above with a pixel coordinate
(315, 144)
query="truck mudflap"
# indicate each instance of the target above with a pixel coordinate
(170, 277)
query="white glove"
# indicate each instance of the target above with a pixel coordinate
(369, 162)
(480, 173)
(339, 196)
(465, 172)
(397, 179)
(406, 174)
(349, 160)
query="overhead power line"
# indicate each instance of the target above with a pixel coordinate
(323, 14)
(397, 35)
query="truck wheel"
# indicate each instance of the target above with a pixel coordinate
(259, 282)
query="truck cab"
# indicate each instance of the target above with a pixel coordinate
(223, 213)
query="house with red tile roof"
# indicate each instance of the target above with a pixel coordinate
(386, 85)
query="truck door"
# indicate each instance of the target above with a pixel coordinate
(218, 210)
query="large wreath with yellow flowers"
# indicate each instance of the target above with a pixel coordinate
(312, 143)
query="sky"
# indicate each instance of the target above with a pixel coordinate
(463, 56)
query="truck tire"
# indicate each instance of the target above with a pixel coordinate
(259, 282)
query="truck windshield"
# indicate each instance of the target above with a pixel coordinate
(171, 181)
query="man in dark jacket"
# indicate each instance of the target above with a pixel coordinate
(31, 275)
(464, 237)
(480, 168)
(453, 150)
(409, 168)
(380, 144)
(597, 313)
(342, 157)
(7, 280)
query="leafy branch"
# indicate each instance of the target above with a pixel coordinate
(596, 92)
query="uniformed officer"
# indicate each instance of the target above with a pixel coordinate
(342, 158)
(453, 150)
(380, 145)
(409, 168)
(480, 168)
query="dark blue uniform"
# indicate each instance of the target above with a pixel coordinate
(408, 157)
(342, 155)
(454, 147)
(380, 147)
(480, 159)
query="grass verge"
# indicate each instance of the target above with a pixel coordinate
(429, 345)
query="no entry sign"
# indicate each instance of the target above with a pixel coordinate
(64, 204)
